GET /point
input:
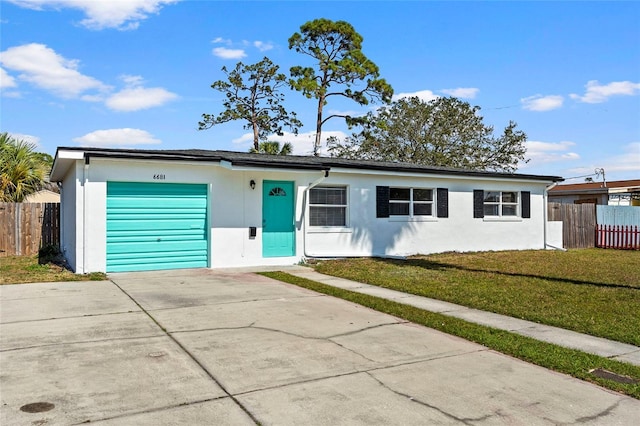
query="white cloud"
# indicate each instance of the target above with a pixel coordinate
(547, 152)
(35, 140)
(43, 67)
(134, 97)
(302, 143)
(425, 95)
(246, 139)
(597, 93)
(6, 80)
(8, 85)
(117, 137)
(224, 53)
(542, 103)
(137, 98)
(262, 46)
(221, 40)
(122, 14)
(462, 92)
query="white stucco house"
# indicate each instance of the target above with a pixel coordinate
(130, 210)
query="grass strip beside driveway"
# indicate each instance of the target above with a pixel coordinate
(569, 361)
(591, 291)
(27, 269)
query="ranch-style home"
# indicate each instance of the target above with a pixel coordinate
(133, 210)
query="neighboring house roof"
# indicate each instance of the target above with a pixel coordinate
(242, 159)
(617, 186)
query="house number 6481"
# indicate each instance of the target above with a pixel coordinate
(159, 177)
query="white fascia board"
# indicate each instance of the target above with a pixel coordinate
(154, 161)
(438, 175)
(229, 166)
(61, 163)
(71, 155)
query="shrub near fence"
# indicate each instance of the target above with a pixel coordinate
(25, 227)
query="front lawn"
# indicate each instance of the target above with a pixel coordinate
(591, 291)
(26, 269)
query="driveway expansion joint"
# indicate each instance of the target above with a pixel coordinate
(80, 342)
(71, 317)
(193, 357)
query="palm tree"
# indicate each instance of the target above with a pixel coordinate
(22, 171)
(273, 148)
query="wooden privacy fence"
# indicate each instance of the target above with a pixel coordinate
(618, 237)
(26, 227)
(578, 223)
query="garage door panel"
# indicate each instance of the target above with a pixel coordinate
(153, 226)
(157, 265)
(162, 256)
(135, 224)
(156, 247)
(152, 235)
(147, 188)
(145, 204)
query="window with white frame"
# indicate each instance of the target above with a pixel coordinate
(328, 206)
(501, 203)
(410, 202)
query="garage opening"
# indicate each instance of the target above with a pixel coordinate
(154, 226)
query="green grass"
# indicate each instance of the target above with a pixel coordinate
(591, 291)
(26, 269)
(568, 361)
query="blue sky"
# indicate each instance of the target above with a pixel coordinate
(137, 73)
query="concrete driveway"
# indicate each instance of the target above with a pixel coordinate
(211, 347)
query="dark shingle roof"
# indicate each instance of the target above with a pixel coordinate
(295, 162)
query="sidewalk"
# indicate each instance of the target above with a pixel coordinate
(569, 339)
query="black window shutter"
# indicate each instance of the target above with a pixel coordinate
(382, 201)
(526, 204)
(442, 198)
(478, 203)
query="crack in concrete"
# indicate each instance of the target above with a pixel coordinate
(152, 410)
(625, 353)
(353, 351)
(599, 415)
(329, 340)
(351, 333)
(326, 339)
(351, 373)
(464, 420)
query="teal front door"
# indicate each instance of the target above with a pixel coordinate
(278, 227)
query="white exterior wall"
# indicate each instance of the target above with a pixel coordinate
(68, 219)
(396, 236)
(234, 207)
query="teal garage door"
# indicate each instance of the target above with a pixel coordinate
(153, 226)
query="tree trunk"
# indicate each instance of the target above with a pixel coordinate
(316, 145)
(256, 144)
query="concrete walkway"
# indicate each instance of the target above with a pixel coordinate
(561, 337)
